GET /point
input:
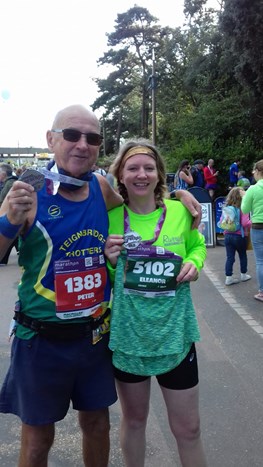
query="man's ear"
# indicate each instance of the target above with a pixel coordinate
(50, 142)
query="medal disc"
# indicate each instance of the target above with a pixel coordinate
(131, 240)
(34, 178)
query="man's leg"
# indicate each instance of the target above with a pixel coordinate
(95, 427)
(36, 442)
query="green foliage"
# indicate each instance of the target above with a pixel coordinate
(209, 83)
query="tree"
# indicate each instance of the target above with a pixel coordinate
(136, 34)
(241, 24)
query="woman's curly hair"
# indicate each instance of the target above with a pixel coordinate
(117, 166)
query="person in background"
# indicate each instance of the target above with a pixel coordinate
(210, 176)
(18, 171)
(197, 172)
(183, 177)
(237, 241)
(233, 173)
(99, 170)
(252, 202)
(7, 177)
(242, 181)
(154, 326)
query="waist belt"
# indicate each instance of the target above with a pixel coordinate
(58, 331)
(257, 225)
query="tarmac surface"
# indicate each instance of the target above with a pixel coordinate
(230, 371)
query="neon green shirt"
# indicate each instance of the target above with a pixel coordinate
(152, 336)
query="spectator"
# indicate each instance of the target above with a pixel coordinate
(233, 173)
(242, 181)
(183, 177)
(197, 172)
(252, 202)
(237, 241)
(210, 176)
(98, 170)
(7, 178)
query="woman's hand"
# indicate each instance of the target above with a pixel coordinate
(188, 273)
(113, 248)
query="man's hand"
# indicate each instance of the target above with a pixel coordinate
(18, 202)
(193, 206)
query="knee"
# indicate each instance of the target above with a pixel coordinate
(135, 420)
(35, 450)
(95, 423)
(188, 431)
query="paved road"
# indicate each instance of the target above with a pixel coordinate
(230, 365)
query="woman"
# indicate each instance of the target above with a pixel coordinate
(252, 202)
(153, 255)
(236, 241)
(183, 177)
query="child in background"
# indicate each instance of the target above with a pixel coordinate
(237, 241)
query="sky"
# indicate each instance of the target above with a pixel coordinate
(49, 53)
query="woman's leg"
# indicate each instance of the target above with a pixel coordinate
(183, 414)
(257, 242)
(134, 399)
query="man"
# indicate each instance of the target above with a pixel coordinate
(60, 350)
(210, 175)
(7, 178)
(233, 173)
(197, 172)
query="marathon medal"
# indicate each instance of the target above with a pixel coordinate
(131, 240)
(34, 178)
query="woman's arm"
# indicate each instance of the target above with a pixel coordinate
(188, 178)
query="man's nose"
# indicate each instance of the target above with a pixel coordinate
(82, 142)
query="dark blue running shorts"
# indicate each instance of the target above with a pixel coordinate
(45, 375)
(183, 376)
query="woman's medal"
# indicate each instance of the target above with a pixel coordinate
(131, 240)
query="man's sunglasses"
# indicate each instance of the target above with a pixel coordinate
(69, 134)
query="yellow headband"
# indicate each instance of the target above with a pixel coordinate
(137, 150)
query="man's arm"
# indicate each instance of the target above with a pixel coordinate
(189, 201)
(14, 213)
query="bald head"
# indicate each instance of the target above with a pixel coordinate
(73, 112)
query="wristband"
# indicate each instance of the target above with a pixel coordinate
(7, 229)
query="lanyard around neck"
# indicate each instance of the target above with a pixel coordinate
(157, 229)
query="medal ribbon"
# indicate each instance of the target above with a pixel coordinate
(157, 230)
